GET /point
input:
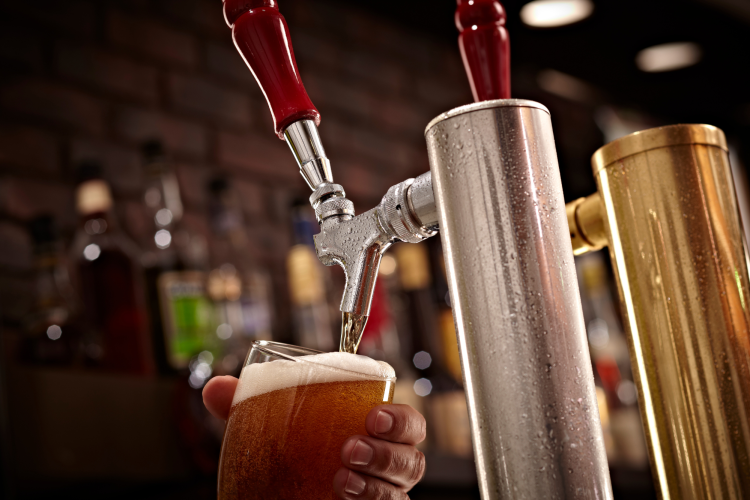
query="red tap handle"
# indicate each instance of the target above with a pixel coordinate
(261, 35)
(485, 48)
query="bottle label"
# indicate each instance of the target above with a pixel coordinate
(306, 282)
(186, 312)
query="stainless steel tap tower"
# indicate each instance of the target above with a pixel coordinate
(494, 190)
(524, 354)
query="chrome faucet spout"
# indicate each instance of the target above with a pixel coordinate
(358, 242)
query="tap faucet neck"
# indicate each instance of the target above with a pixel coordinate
(304, 141)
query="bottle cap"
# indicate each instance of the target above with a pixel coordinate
(93, 196)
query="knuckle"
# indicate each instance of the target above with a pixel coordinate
(391, 462)
(381, 493)
(374, 491)
(385, 491)
(416, 469)
(420, 428)
(411, 426)
(403, 467)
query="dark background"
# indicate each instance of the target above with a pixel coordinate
(84, 78)
(601, 50)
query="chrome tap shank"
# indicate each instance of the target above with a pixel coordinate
(304, 141)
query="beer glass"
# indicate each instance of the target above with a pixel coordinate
(291, 413)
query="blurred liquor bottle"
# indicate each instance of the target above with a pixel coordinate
(442, 393)
(52, 337)
(386, 338)
(608, 347)
(239, 287)
(176, 262)
(421, 316)
(449, 410)
(307, 287)
(447, 339)
(616, 391)
(109, 276)
(380, 339)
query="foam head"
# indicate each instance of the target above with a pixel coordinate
(260, 378)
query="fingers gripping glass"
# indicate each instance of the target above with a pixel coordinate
(292, 411)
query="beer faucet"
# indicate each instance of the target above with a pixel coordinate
(355, 242)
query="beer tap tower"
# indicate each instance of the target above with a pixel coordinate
(494, 191)
(524, 355)
(666, 207)
(667, 210)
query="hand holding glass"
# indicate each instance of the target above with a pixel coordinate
(292, 411)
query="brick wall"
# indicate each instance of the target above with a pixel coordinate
(94, 78)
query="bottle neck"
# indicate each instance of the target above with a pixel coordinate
(50, 275)
(304, 227)
(227, 225)
(168, 241)
(162, 198)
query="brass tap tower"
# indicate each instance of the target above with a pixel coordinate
(667, 210)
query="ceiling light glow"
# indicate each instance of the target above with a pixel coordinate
(668, 57)
(554, 13)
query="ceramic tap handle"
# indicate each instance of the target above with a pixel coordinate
(261, 35)
(485, 48)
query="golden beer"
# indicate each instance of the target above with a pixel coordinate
(289, 420)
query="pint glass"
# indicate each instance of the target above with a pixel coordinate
(292, 411)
